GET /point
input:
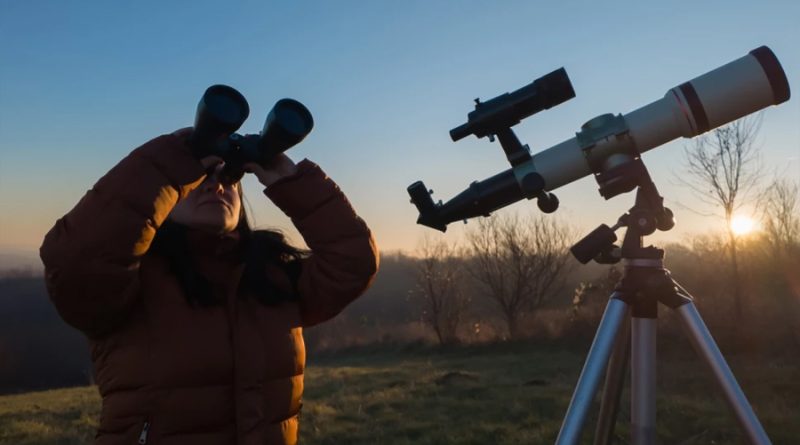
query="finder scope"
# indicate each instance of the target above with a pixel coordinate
(509, 109)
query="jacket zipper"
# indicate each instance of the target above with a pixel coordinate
(143, 434)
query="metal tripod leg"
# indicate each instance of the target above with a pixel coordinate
(643, 381)
(612, 389)
(586, 388)
(707, 349)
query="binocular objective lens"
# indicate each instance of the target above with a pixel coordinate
(225, 108)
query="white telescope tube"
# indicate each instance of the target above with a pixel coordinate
(741, 87)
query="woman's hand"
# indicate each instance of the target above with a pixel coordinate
(208, 161)
(280, 167)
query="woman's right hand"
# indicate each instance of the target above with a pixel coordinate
(208, 161)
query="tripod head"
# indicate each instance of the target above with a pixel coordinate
(647, 215)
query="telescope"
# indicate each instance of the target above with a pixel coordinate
(608, 146)
(222, 110)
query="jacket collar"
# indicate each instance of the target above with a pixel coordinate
(203, 243)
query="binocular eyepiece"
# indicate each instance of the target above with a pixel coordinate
(222, 110)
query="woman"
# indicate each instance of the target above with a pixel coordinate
(195, 321)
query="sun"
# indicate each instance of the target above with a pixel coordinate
(742, 225)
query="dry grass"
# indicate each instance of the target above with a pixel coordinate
(61, 416)
(491, 394)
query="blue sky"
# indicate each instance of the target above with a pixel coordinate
(83, 83)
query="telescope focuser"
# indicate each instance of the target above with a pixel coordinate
(481, 198)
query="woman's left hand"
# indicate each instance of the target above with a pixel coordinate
(280, 167)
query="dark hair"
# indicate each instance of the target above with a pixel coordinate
(259, 248)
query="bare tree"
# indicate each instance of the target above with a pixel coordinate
(594, 293)
(723, 170)
(439, 281)
(780, 211)
(520, 263)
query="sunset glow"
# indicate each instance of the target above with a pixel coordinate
(742, 225)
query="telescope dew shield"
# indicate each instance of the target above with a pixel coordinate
(732, 91)
(288, 123)
(220, 112)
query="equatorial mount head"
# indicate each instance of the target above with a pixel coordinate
(646, 216)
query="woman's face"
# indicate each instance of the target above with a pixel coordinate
(211, 207)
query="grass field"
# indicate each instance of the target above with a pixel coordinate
(505, 394)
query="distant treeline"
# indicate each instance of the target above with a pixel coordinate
(38, 350)
(394, 310)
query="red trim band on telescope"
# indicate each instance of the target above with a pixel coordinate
(774, 71)
(684, 110)
(698, 112)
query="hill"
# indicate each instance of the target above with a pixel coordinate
(38, 349)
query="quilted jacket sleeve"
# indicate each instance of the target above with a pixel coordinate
(344, 257)
(92, 254)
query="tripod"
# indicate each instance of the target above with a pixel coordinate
(644, 284)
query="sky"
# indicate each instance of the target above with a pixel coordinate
(84, 83)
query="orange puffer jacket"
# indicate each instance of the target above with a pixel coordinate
(171, 373)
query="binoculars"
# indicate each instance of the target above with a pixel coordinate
(222, 110)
